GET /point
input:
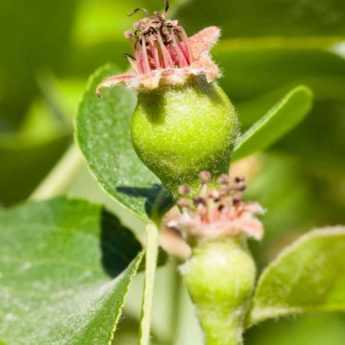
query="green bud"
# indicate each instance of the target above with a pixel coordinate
(220, 277)
(180, 131)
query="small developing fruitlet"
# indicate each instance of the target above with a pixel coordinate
(220, 274)
(184, 122)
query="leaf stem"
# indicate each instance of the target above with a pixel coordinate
(150, 271)
(61, 175)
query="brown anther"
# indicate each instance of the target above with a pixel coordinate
(239, 179)
(199, 201)
(241, 187)
(236, 201)
(205, 177)
(221, 207)
(184, 190)
(128, 35)
(239, 184)
(224, 179)
(215, 195)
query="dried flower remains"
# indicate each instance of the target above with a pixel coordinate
(165, 55)
(217, 210)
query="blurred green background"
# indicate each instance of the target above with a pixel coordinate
(48, 50)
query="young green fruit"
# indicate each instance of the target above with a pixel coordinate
(180, 131)
(220, 277)
(220, 273)
(184, 123)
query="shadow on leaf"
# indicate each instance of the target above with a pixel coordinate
(157, 199)
(118, 245)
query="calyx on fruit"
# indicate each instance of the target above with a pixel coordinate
(184, 122)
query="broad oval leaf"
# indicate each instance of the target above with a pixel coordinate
(316, 329)
(280, 119)
(57, 262)
(104, 137)
(254, 67)
(308, 276)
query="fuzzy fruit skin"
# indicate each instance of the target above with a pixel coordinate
(180, 131)
(220, 277)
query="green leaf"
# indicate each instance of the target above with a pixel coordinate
(57, 262)
(319, 142)
(307, 330)
(249, 18)
(251, 110)
(104, 138)
(254, 67)
(308, 276)
(280, 119)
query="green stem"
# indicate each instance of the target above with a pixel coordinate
(61, 176)
(176, 302)
(150, 272)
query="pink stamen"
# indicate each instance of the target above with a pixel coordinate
(162, 44)
(155, 56)
(173, 55)
(167, 60)
(181, 60)
(146, 65)
(138, 59)
(185, 44)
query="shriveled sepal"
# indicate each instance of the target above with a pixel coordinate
(217, 211)
(165, 56)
